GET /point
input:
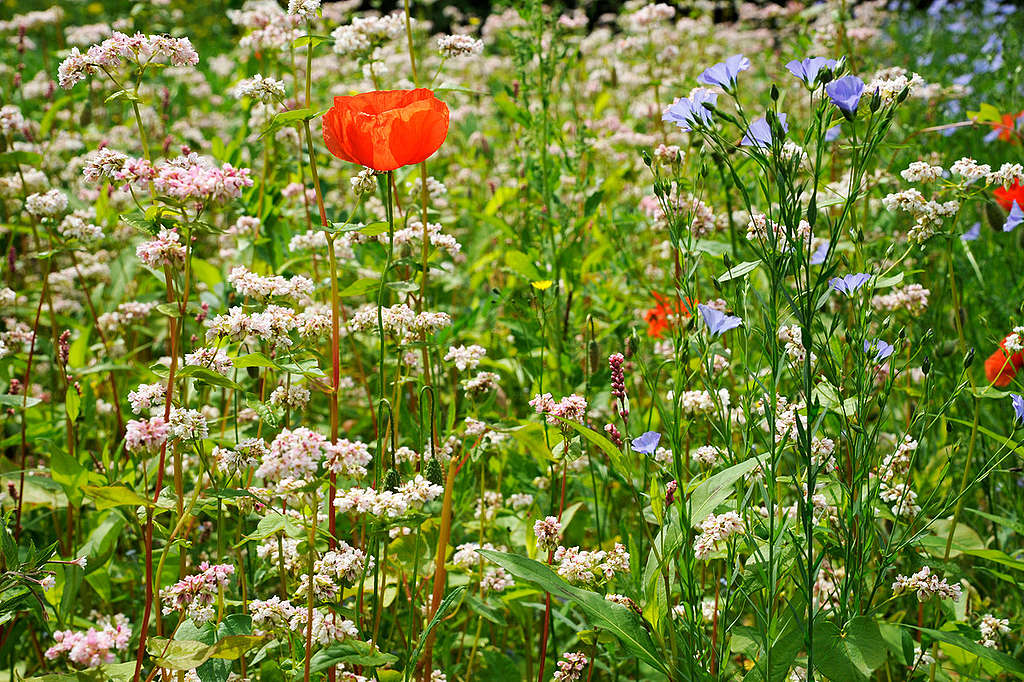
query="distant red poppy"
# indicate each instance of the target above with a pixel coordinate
(386, 129)
(1006, 126)
(1001, 368)
(658, 318)
(1006, 197)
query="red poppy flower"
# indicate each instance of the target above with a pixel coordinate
(659, 318)
(386, 129)
(1006, 197)
(1006, 126)
(1001, 368)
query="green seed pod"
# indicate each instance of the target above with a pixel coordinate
(392, 480)
(433, 472)
(594, 353)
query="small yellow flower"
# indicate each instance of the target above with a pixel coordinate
(542, 285)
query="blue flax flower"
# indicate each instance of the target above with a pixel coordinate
(717, 322)
(688, 112)
(808, 68)
(759, 134)
(724, 73)
(1018, 408)
(847, 284)
(845, 93)
(1015, 218)
(881, 348)
(971, 234)
(646, 443)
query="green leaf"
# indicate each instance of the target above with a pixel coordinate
(189, 654)
(72, 403)
(852, 654)
(619, 620)
(312, 41)
(140, 223)
(208, 376)
(1013, 524)
(714, 490)
(20, 157)
(618, 459)
(447, 605)
(290, 118)
(784, 649)
(353, 652)
(16, 401)
(71, 475)
(403, 287)
(998, 657)
(738, 270)
(522, 264)
(109, 496)
(361, 286)
(253, 360)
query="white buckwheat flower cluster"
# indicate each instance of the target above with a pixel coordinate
(715, 529)
(389, 504)
(459, 46)
(912, 298)
(922, 171)
(927, 214)
(583, 567)
(112, 52)
(195, 594)
(465, 357)
(47, 204)
(548, 532)
(249, 283)
(263, 89)
(970, 170)
(927, 585)
(990, 628)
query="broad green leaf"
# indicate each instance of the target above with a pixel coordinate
(361, 287)
(618, 460)
(67, 471)
(618, 620)
(208, 376)
(1007, 663)
(714, 490)
(189, 654)
(253, 360)
(16, 401)
(72, 404)
(849, 654)
(105, 497)
(353, 652)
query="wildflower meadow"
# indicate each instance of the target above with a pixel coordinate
(464, 341)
